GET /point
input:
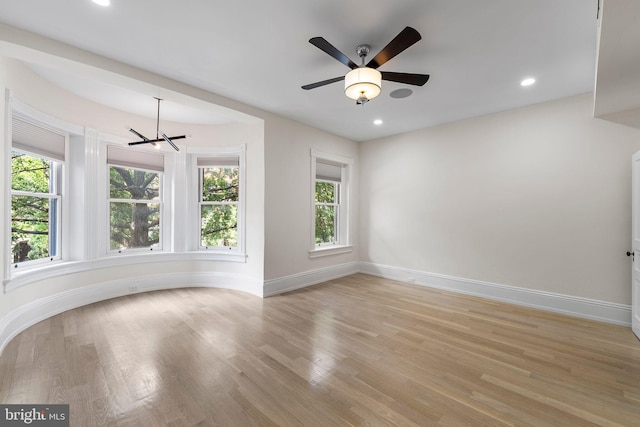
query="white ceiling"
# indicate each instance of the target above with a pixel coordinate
(257, 52)
(130, 101)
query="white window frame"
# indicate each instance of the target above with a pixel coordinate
(202, 203)
(16, 108)
(157, 247)
(336, 205)
(342, 242)
(218, 253)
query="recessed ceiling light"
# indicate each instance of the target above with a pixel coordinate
(528, 81)
(377, 122)
(102, 2)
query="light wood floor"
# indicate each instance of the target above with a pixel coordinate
(354, 351)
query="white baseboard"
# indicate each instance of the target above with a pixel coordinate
(36, 311)
(41, 309)
(301, 280)
(618, 314)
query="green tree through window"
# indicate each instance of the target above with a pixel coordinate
(134, 198)
(219, 198)
(34, 207)
(327, 196)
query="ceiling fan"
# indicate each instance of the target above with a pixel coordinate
(160, 136)
(363, 82)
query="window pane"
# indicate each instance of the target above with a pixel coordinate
(219, 184)
(325, 224)
(30, 173)
(219, 226)
(126, 183)
(325, 192)
(30, 233)
(134, 225)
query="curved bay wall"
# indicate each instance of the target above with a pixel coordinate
(82, 281)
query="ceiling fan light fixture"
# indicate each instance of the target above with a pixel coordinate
(362, 82)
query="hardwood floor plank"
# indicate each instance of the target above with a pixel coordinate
(355, 351)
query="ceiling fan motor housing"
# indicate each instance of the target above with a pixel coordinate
(362, 51)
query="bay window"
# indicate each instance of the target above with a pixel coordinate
(79, 197)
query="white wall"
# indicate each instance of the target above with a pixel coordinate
(4, 175)
(537, 198)
(288, 196)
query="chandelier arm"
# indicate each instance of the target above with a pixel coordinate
(161, 139)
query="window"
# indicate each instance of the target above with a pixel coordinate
(37, 157)
(330, 178)
(35, 206)
(135, 199)
(219, 202)
(327, 213)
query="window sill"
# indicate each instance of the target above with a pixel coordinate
(211, 255)
(61, 268)
(330, 250)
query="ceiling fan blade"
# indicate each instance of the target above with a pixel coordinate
(402, 41)
(408, 78)
(329, 49)
(322, 83)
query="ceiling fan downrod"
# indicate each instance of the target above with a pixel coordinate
(362, 51)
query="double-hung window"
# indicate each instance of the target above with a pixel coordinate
(37, 158)
(135, 199)
(219, 202)
(330, 190)
(327, 212)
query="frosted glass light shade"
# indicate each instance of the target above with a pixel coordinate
(362, 81)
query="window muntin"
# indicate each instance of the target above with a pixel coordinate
(35, 207)
(219, 205)
(135, 206)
